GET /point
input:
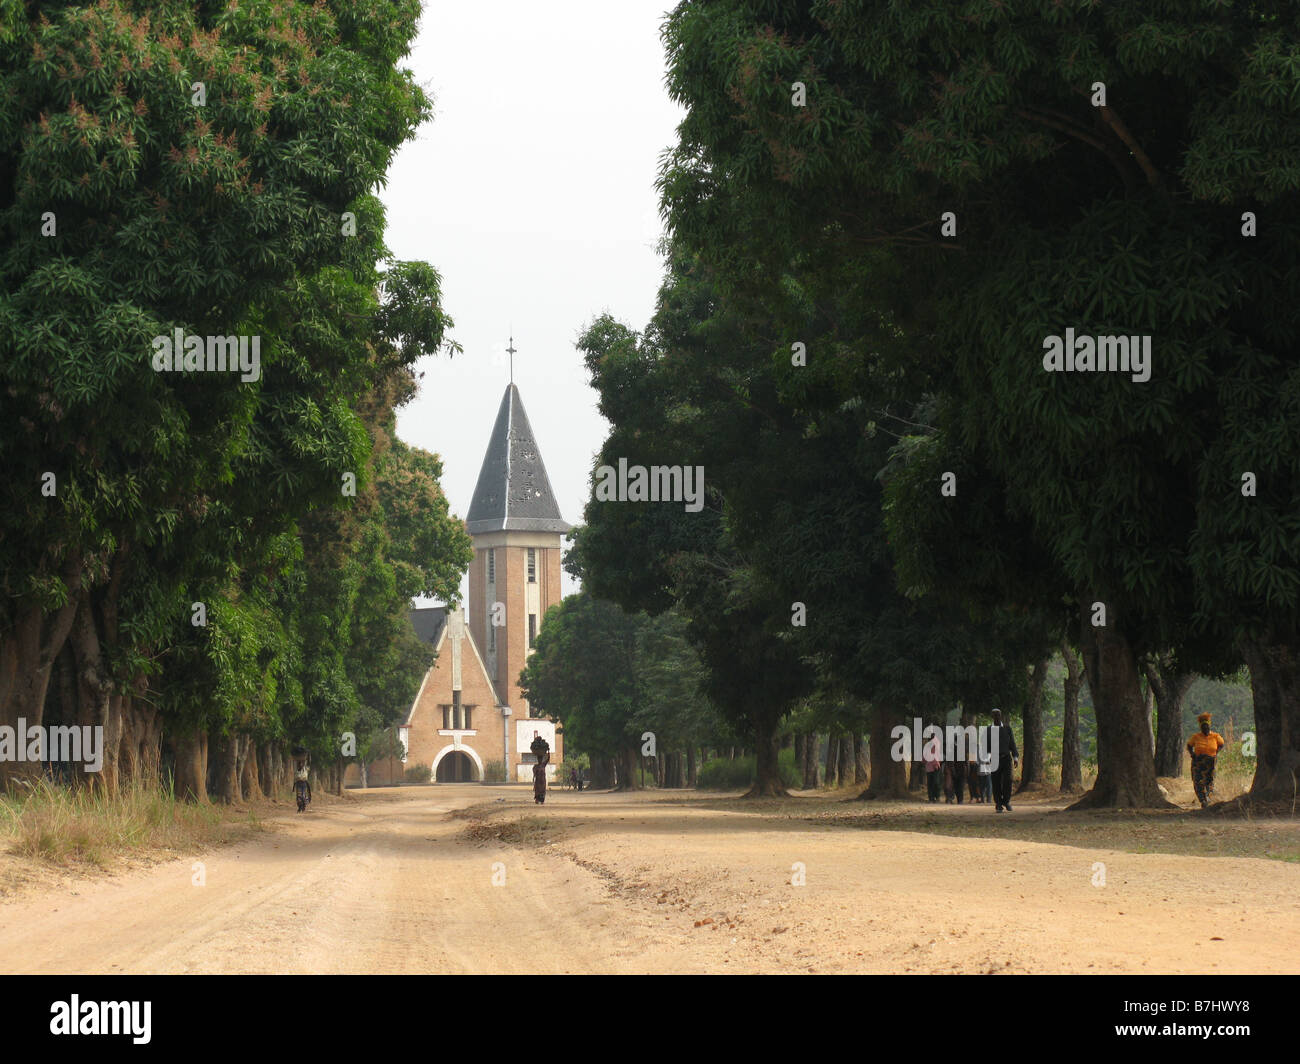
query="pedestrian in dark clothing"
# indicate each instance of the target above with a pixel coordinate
(542, 749)
(1007, 757)
(958, 778)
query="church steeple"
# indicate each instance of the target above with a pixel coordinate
(513, 493)
(515, 577)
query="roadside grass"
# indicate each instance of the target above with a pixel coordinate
(80, 827)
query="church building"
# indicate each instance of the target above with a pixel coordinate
(469, 710)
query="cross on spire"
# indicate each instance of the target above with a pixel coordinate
(511, 352)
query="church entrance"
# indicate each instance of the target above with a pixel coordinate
(456, 767)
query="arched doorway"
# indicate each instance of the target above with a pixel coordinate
(456, 767)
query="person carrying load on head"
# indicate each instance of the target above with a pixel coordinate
(1204, 746)
(542, 750)
(301, 785)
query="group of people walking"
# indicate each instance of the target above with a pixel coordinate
(975, 769)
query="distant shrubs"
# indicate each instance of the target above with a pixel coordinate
(494, 772)
(417, 773)
(722, 774)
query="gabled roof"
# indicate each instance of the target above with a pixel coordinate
(513, 493)
(446, 663)
(428, 623)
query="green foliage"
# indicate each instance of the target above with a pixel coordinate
(822, 223)
(379, 743)
(417, 773)
(611, 676)
(724, 774)
(220, 218)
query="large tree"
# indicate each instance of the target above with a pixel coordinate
(984, 180)
(207, 169)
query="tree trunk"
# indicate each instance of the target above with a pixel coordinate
(1126, 769)
(628, 780)
(1033, 770)
(27, 654)
(888, 777)
(1170, 688)
(226, 769)
(190, 752)
(1275, 683)
(1149, 701)
(250, 784)
(768, 782)
(1071, 751)
(692, 767)
(861, 775)
(812, 746)
(800, 749)
(140, 735)
(832, 760)
(847, 772)
(241, 763)
(268, 769)
(602, 774)
(100, 706)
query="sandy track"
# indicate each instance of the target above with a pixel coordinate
(612, 883)
(384, 884)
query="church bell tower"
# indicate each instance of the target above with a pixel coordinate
(517, 531)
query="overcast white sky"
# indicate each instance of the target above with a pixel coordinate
(532, 194)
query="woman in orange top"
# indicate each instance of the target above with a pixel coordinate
(1204, 747)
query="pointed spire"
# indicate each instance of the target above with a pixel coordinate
(513, 493)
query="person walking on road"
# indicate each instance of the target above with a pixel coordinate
(933, 775)
(542, 751)
(1007, 757)
(1204, 747)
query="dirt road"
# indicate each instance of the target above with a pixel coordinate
(392, 882)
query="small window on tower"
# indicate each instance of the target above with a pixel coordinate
(457, 713)
(532, 565)
(492, 565)
(532, 629)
